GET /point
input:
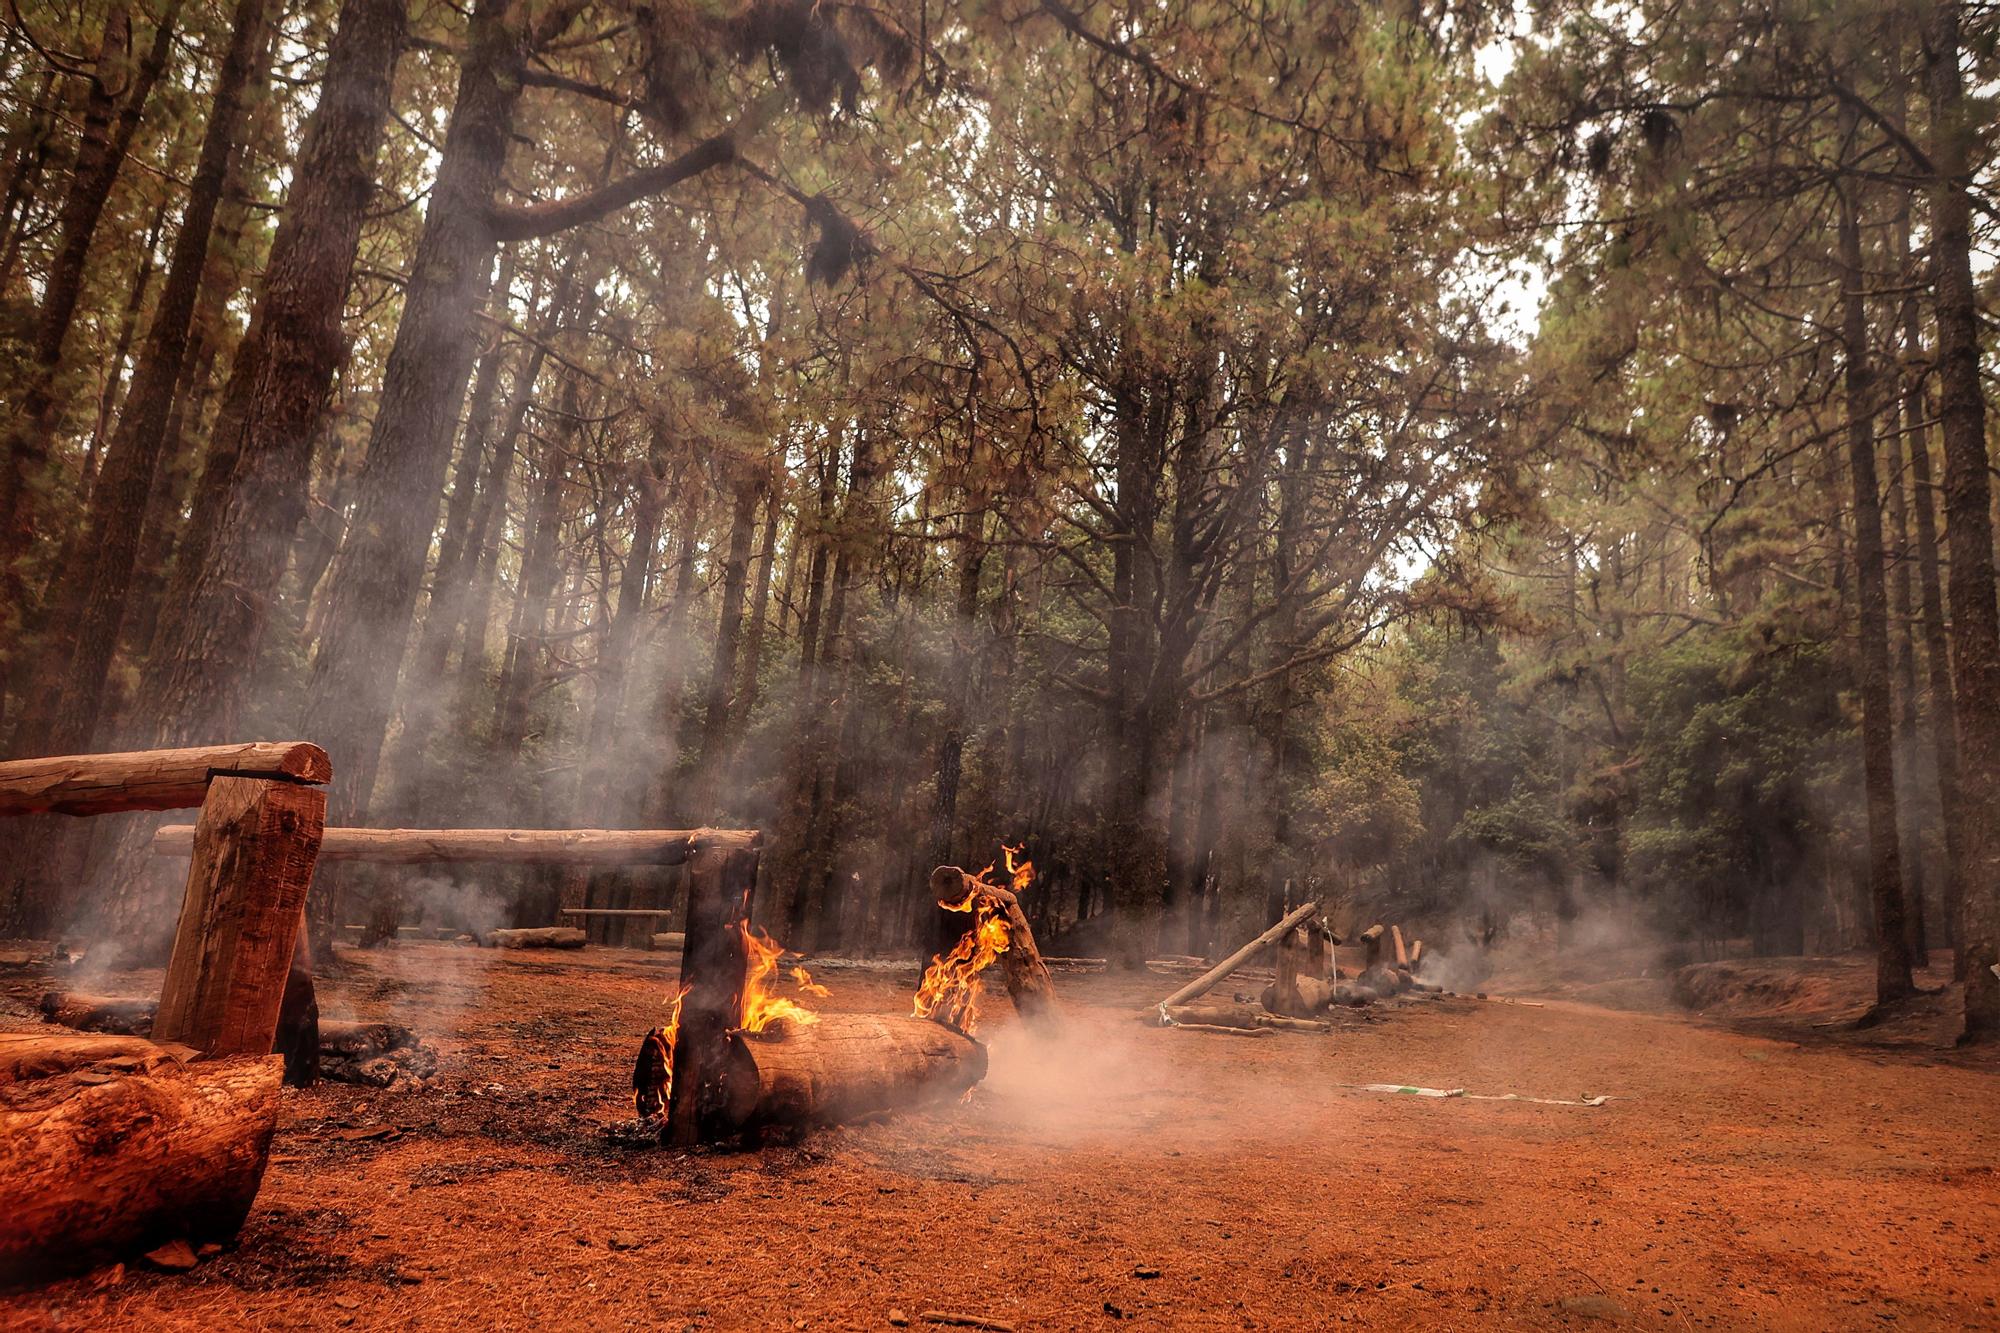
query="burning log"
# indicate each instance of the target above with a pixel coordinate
(1021, 965)
(128, 1014)
(534, 937)
(1206, 982)
(1402, 954)
(110, 1146)
(842, 1067)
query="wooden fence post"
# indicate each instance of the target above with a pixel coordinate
(255, 845)
(720, 881)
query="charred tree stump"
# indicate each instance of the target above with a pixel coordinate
(110, 1146)
(1027, 976)
(298, 1015)
(254, 850)
(844, 1067)
(721, 877)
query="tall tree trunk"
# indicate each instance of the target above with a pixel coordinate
(1975, 619)
(378, 573)
(1878, 740)
(202, 663)
(118, 502)
(728, 634)
(1937, 642)
(110, 118)
(128, 329)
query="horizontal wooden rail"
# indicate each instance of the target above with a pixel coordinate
(410, 846)
(617, 911)
(103, 784)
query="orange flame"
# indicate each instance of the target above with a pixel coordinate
(653, 1084)
(951, 986)
(761, 1008)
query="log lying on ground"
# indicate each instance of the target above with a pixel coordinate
(99, 1013)
(102, 784)
(413, 846)
(534, 937)
(1026, 975)
(669, 939)
(841, 1068)
(110, 1146)
(1202, 984)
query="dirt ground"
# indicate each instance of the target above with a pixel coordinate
(1133, 1176)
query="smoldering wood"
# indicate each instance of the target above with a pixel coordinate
(1029, 985)
(126, 1014)
(110, 1146)
(1202, 984)
(102, 784)
(504, 846)
(534, 937)
(254, 852)
(373, 1054)
(1372, 938)
(844, 1067)
(1402, 954)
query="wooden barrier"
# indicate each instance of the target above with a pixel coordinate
(253, 851)
(103, 784)
(407, 846)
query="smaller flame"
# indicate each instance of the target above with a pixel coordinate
(807, 986)
(761, 1008)
(653, 1080)
(951, 986)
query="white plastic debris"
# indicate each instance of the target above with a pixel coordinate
(1408, 1090)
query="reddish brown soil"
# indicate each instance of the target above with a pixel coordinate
(1735, 1181)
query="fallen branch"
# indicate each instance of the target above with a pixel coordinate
(1207, 981)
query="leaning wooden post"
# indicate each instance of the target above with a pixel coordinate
(1202, 984)
(722, 874)
(255, 845)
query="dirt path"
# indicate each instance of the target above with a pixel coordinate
(1734, 1181)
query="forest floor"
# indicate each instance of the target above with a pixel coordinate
(1130, 1176)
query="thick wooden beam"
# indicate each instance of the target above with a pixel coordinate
(411, 846)
(720, 882)
(103, 784)
(254, 850)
